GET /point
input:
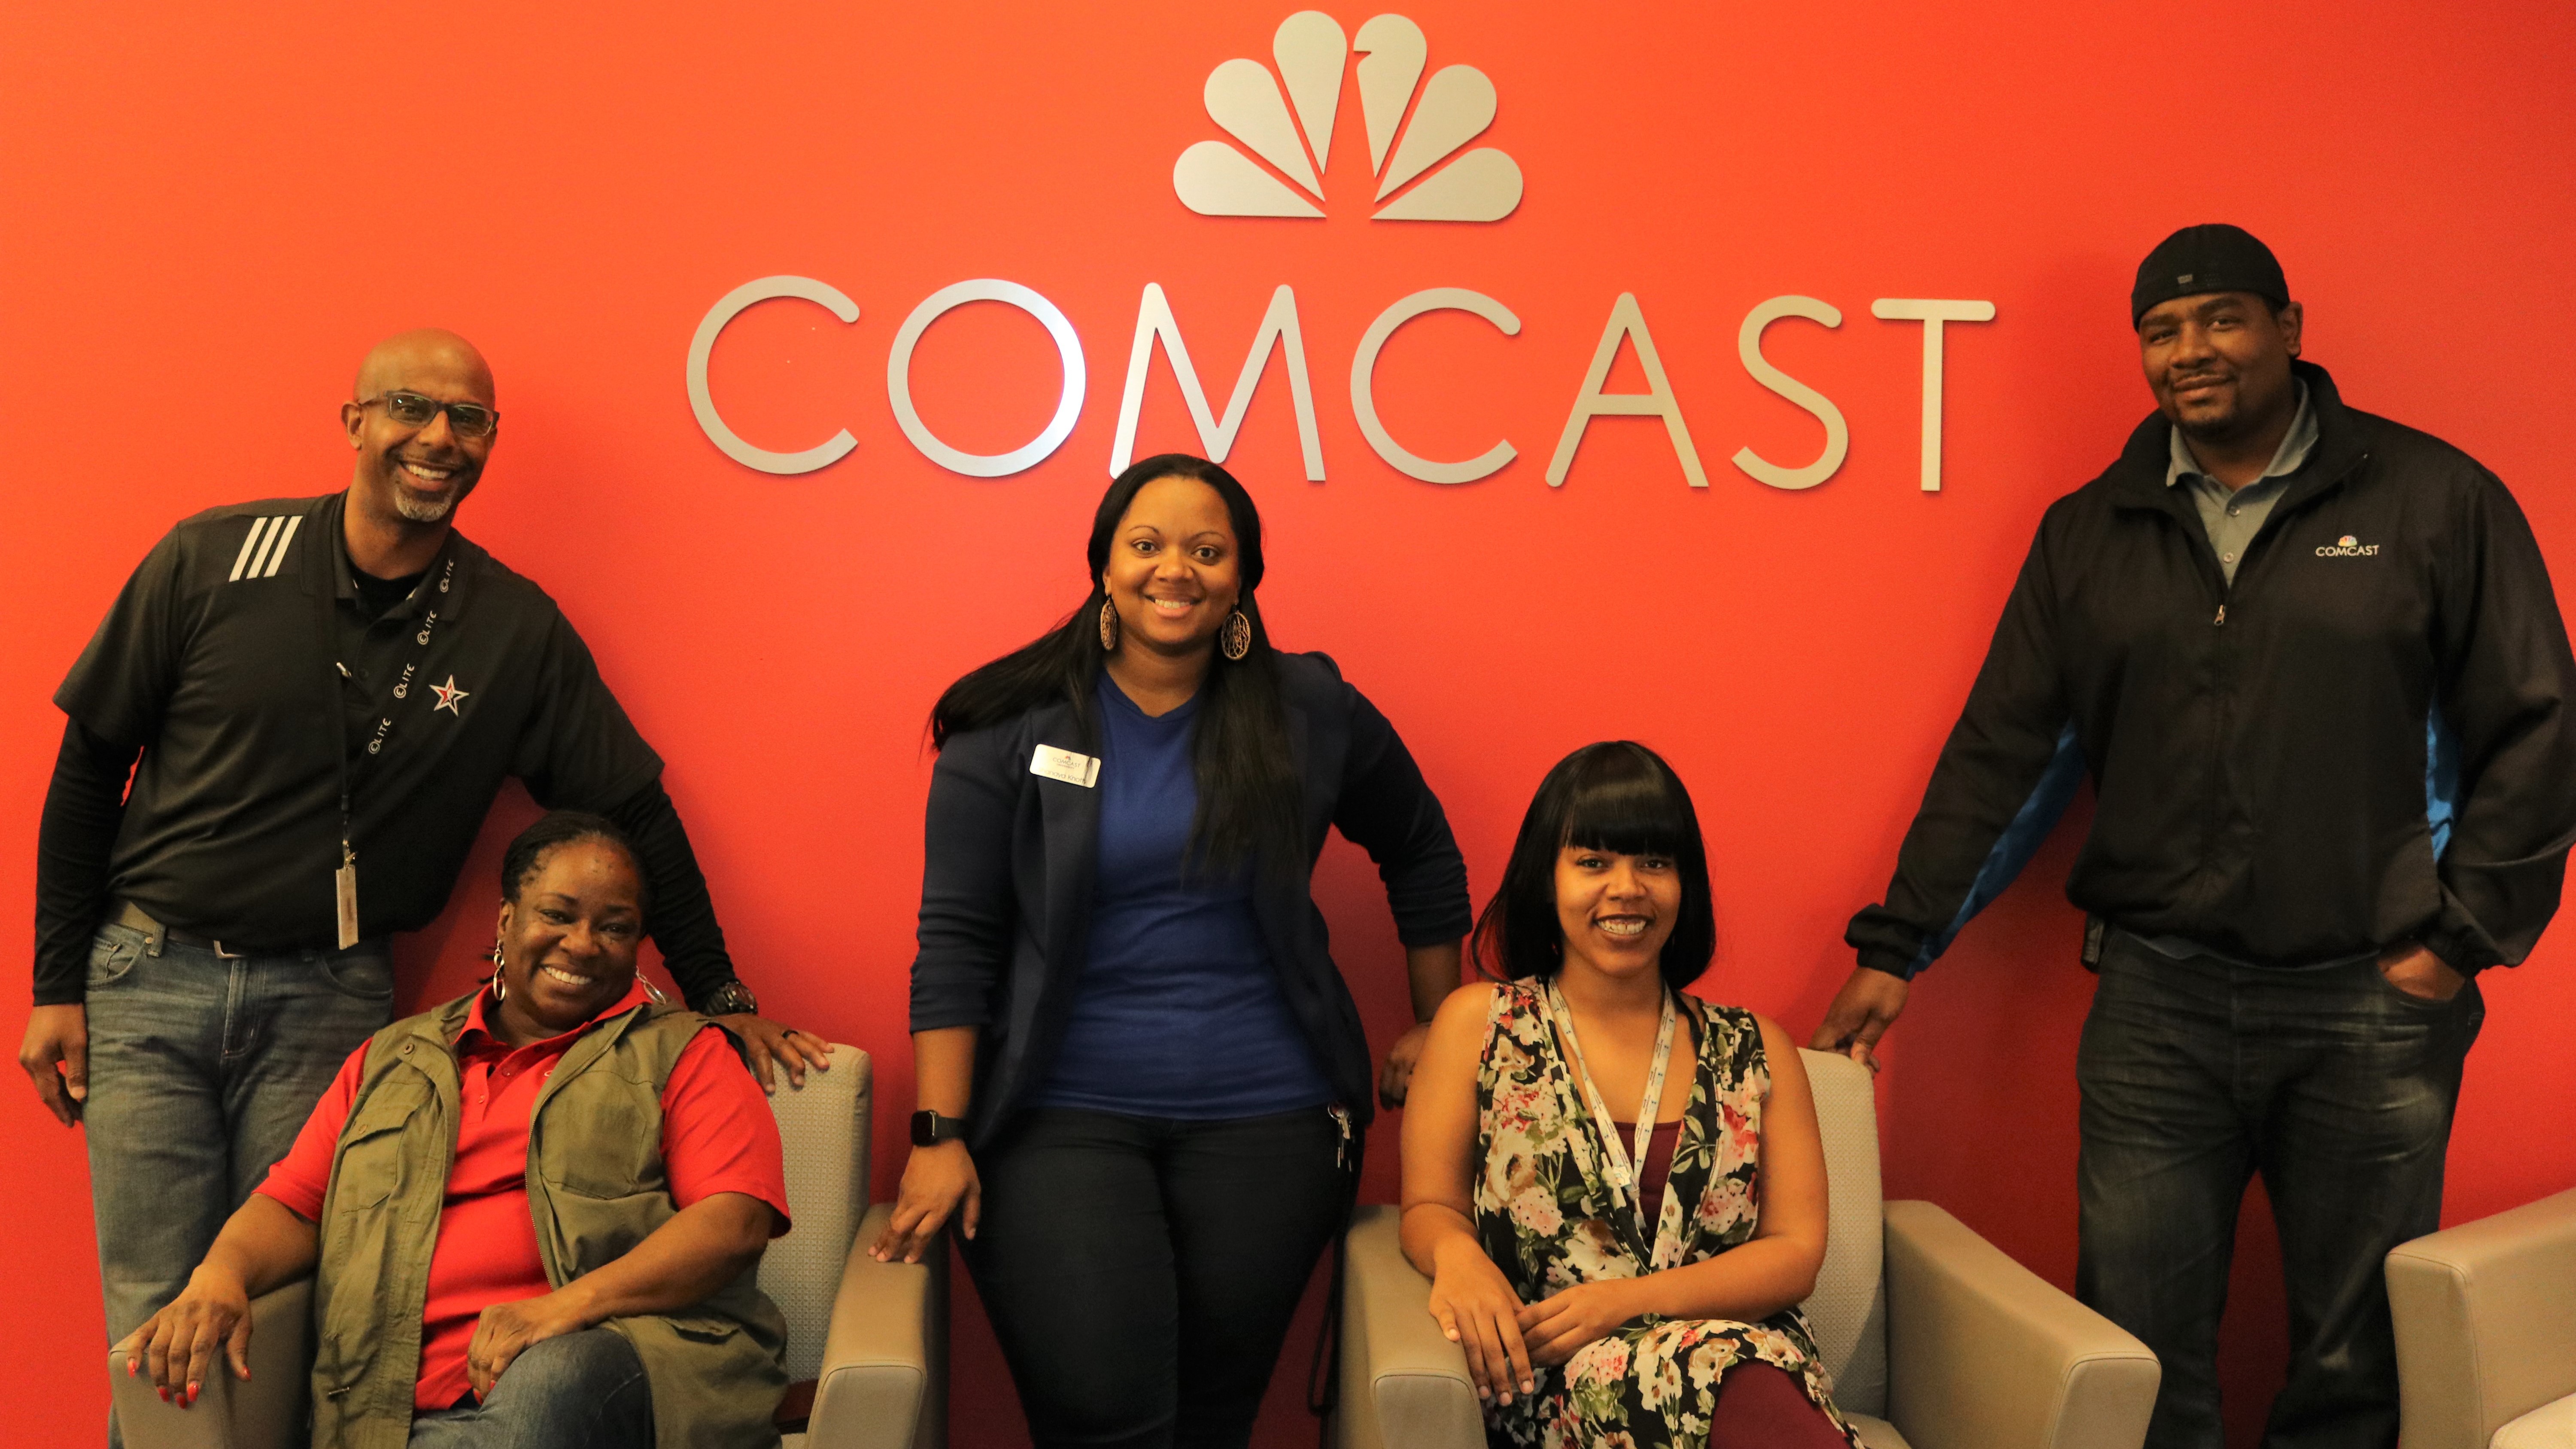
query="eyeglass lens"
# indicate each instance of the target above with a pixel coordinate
(412, 410)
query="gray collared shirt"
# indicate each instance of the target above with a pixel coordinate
(2233, 518)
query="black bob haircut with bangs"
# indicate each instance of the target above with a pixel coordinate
(1616, 796)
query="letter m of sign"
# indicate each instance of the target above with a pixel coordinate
(1279, 324)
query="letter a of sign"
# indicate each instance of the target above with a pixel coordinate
(1658, 401)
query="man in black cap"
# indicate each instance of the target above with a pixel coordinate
(2311, 660)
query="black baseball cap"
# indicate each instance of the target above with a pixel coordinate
(2211, 257)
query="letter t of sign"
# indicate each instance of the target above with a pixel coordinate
(1931, 312)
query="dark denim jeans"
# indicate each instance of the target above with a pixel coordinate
(1141, 1272)
(584, 1390)
(201, 1070)
(2334, 1085)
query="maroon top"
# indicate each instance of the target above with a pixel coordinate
(1656, 1169)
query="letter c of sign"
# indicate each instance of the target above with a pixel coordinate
(1364, 373)
(732, 305)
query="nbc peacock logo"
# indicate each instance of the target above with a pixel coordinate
(1420, 175)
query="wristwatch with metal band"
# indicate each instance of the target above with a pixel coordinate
(730, 999)
(929, 1129)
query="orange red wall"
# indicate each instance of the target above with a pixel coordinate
(210, 213)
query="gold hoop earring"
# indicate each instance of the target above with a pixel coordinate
(1108, 626)
(500, 987)
(1236, 637)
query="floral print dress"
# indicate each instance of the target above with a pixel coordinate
(1546, 1216)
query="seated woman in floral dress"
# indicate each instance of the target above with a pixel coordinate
(1615, 1286)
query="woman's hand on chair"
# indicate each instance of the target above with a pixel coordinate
(1478, 1310)
(176, 1346)
(938, 1180)
(507, 1329)
(1559, 1325)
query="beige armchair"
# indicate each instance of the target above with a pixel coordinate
(870, 1338)
(1936, 1340)
(2486, 1331)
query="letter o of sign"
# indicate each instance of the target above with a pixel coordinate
(899, 378)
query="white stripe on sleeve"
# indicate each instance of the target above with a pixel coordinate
(261, 556)
(277, 555)
(257, 527)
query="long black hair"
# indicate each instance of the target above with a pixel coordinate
(1247, 787)
(1616, 796)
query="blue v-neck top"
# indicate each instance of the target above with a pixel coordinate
(1178, 1012)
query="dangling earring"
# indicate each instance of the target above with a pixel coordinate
(1108, 626)
(1236, 637)
(500, 987)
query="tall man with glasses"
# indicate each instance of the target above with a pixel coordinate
(2312, 661)
(315, 700)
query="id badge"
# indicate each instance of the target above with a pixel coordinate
(1057, 764)
(344, 890)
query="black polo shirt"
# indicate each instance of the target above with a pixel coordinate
(214, 660)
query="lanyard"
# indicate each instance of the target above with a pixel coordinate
(326, 594)
(1623, 1169)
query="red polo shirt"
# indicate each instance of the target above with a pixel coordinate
(717, 1136)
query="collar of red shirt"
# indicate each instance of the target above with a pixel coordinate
(478, 1035)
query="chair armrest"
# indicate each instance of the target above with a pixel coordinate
(1404, 1384)
(267, 1412)
(2486, 1323)
(884, 1379)
(1985, 1354)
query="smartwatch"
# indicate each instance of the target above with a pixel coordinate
(929, 1129)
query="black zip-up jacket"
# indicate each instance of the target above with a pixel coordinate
(2363, 740)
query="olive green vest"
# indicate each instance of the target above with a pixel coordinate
(596, 1188)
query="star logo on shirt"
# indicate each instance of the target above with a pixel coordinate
(448, 694)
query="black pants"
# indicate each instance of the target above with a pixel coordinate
(1141, 1272)
(2330, 1082)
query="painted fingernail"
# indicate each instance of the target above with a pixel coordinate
(165, 1394)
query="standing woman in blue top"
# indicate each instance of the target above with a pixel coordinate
(1142, 1078)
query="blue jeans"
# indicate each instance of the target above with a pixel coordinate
(2338, 1088)
(202, 1068)
(584, 1390)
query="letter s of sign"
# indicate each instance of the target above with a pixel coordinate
(1748, 346)
(733, 304)
(1364, 384)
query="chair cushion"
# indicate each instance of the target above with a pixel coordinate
(823, 1126)
(2551, 1426)
(1848, 1310)
(1877, 1433)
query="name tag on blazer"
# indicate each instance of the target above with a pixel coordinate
(1065, 765)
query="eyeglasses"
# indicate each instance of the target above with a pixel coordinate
(470, 420)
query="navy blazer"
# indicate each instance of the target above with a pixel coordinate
(1006, 884)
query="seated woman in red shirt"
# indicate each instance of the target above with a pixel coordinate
(1617, 1190)
(533, 1214)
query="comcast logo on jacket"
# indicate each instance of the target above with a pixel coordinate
(1253, 106)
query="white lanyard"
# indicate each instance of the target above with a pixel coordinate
(1623, 1168)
